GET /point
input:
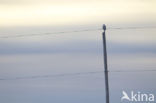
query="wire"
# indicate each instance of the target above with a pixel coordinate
(133, 71)
(52, 76)
(73, 74)
(132, 27)
(62, 32)
(74, 31)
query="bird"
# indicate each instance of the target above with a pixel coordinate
(125, 96)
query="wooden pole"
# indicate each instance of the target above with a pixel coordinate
(105, 64)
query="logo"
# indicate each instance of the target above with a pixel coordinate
(137, 97)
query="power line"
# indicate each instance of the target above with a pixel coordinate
(133, 71)
(132, 27)
(73, 74)
(84, 30)
(52, 33)
(52, 76)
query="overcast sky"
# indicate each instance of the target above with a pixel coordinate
(44, 56)
(68, 12)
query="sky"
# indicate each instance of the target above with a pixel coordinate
(75, 12)
(39, 68)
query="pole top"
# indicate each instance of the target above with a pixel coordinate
(104, 27)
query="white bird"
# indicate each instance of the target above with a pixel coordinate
(125, 96)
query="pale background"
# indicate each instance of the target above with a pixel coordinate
(75, 52)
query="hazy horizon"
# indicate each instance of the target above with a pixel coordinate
(38, 68)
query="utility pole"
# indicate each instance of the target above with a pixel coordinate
(105, 64)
